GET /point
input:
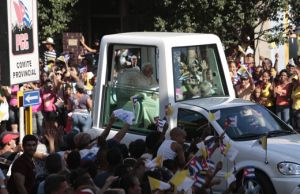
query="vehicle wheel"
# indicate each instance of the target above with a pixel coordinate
(259, 185)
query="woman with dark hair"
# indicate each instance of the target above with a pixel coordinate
(282, 94)
(267, 91)
(48, 100)
(81, 105)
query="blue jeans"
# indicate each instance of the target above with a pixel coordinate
(283, 112)
(81, 122)
(37, 122)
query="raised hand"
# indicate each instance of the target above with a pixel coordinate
(204, 65)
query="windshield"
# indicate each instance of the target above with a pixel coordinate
(251, 122)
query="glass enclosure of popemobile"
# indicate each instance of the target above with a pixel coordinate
(145, 74)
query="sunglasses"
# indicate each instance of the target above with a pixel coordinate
(58, 74)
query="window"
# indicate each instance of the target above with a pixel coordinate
(194, 124)
(250, 122)
(197, 72)
(133, 84)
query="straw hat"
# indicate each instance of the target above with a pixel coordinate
(49, 40)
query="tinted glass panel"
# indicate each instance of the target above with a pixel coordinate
(251, 122)
(194, 124)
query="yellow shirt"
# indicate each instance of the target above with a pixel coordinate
(265, 93)
(296, 98)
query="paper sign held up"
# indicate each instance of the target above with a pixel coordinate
(125, 115)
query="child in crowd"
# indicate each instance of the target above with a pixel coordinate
(233, 72)
(170, 149)
(256, 96)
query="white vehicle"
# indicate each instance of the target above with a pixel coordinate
(184, 66)
(146, 71)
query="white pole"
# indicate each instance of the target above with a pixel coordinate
(21, 123)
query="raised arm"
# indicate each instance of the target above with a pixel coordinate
(120, 135)
(276, 62)
(106, 131)
(73, 74)
(82, 41)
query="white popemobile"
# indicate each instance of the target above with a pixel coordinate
(188, 73)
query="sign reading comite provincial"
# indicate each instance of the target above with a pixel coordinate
(21, 64)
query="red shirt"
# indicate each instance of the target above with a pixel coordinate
(283, 94)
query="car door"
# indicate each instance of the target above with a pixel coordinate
(195, 123)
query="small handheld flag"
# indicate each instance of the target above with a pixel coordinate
(160, 123)
(264, 144)
(214, 116)
(135, 100)
(182, 181)
(249, 172)
(199, 180)
(202, 150)
(230, 122)
(194, 166)
(169, 110)
(156, 162)
(158, 184)
(263, 141)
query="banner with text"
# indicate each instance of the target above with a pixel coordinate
(22, 42)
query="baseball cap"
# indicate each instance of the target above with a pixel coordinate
(7, 136)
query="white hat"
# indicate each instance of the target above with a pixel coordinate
(249, 50)
(49, 40)
(90, 75)
(291, 62)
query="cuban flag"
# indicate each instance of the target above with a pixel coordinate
(22, 13)
(194, 166)
(204, 164)
(211, 165)
(230, 122)
(135, 100)
(160, 123)
(199, 180)
(210, 146)
(249, 172)
(26, 18)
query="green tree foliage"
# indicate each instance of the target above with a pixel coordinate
(229, 19)
(294, 15)
(54, 16)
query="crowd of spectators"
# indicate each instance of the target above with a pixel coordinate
(60, 156)
(262, 82)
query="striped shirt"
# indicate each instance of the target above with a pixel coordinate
(48, 55)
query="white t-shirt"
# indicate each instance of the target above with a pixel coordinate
(166, 151)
